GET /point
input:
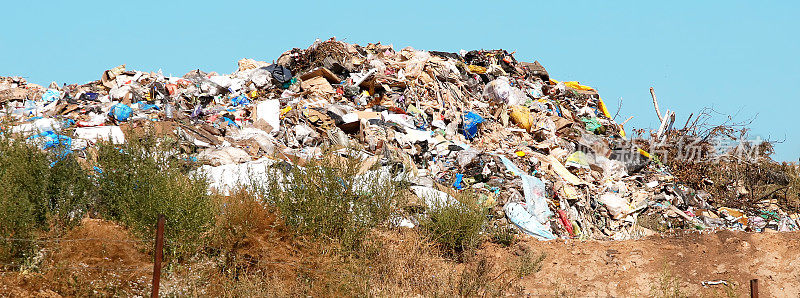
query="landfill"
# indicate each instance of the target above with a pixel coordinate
(544, 155)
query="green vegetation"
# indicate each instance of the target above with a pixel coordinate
(36, 196)
(456, 226)
(142, 179)
(328, 198)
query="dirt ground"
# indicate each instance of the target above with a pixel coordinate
(637, 267)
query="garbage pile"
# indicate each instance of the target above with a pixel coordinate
(544, 155)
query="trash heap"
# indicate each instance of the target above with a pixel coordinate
(544, 155)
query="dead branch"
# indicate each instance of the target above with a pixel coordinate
(626, 121)
(687, 121)
(655, 104)
(619, 108)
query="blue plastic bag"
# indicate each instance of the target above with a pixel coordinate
(231, 122)
(457, 183)
(471, 121)
(51, 95)
(144, 106)
(53, 140)
(121, 112)
(59, 143)
(240, 100)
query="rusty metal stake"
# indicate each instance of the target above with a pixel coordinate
(754, 288)
(158, 255)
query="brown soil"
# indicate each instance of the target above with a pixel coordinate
(274, 262)
(636, 267)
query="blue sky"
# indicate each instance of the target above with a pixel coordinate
(739, 57)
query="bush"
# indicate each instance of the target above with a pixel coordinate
(456, 226)
(502, 235)
(144, 178)
(36, 196)
(327, 198)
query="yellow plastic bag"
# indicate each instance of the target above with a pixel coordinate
(477, 69)
(521, 116)
(578, 86)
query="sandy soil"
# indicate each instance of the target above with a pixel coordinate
(636, 267)
(632, 268)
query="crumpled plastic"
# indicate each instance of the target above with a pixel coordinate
(471, 121)
(121, 112)
(500, 91)
(617, 206)
(592, 124)
(51, 95)
(519, 216)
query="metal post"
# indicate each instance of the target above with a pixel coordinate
(754, 288)
(158, 255)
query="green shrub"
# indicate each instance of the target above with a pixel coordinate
(144, 178)
(326, 198)
(456, 226)
(502, 235)
(40, 190)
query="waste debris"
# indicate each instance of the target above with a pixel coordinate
(546, 155)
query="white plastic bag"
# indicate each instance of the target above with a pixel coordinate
(617, 206)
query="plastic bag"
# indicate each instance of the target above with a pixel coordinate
(223, 156)
(51, 95)
(240, 100)
(592, 124)
(433, 198)
(577, 86)
(269, 111)
(500, 91)
(281, 74)
(611, 168)
(521, 116)
(121, 112)
(534, 190)
(577, 159)
(526, 222)
(616, 205)
(416, 65)
(108, 133)
(53, 140)
(471, 121)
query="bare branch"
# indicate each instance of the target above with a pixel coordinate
(655, 104)
(687, 121)
(626, 121)
(619, 108)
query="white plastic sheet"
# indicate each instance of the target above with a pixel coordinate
(519, 216)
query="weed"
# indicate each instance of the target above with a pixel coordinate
(529, 263)
(480, 279)
(456, 226)
(502, 235)
(667, 285)
(236, 217)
